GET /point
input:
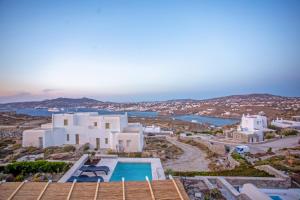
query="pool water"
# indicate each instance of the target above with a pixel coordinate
(275, 197)
(131, 172)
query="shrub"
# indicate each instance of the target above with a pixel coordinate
(288, 132)
(85, 147)
(213, 194)
(16, 146)
(269, 150)
(239, 158)
(269, 135)
(20, 177)
(241, 170)
(28, 167)
(169, 172)
(69, 148)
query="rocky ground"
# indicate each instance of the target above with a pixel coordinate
(167, 123)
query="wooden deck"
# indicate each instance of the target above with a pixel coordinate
(161, 189)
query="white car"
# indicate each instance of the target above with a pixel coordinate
(241, 149)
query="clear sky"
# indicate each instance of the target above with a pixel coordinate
(148, 50)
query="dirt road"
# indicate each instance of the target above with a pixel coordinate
(192, 159)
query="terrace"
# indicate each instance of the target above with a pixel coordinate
(146, 190)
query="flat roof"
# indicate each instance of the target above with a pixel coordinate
(160, 189)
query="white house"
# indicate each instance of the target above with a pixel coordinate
(100, 131)
(156, 130)
(251, 129)
(152, 129)
(281, 123)
(253, 126)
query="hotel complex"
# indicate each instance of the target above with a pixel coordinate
(99, 131)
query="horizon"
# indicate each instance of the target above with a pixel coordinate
(134, 51)
(171, 99)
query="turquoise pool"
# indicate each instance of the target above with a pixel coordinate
(275, 197)
(131, 172)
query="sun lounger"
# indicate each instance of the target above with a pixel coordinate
(85, 178)
(94, 169)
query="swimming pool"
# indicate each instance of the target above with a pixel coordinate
(275, 197)
(131, 171)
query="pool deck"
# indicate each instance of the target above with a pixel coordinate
(156, 166)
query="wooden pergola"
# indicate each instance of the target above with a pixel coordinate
(146, 190)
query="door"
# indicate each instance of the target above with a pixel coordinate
(77, 138)
(98, 143)
(40, 142)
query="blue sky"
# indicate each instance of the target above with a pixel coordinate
(148, 50)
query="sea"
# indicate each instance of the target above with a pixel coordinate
(215, 121)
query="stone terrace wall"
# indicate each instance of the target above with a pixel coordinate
(260, 182)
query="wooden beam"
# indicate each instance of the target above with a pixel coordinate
(177, 189)
(150, 187)
(44, 189)
(16, 190)
(71, 189)
(97, 189)
(123, 187)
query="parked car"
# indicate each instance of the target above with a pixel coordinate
(241, 149)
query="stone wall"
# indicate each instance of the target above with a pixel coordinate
(279, 181)
(260, 182)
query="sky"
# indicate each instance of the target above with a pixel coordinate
(119, 50)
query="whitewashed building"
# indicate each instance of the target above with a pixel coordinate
(156, 130)
(251, 129)
(281, 123)
(100, 131)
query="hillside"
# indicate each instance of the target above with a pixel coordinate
(227, 107)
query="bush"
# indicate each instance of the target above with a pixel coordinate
(28, 167)
(269, 150)
(20, 177)
(241, 170)
(69, 148)
(288, 132)
(239, 158)
(269, 135)
(213, 194)
(169, 172)
(85, 147)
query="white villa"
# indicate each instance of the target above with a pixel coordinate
(281, 123)
(100, 131)
(251, 129)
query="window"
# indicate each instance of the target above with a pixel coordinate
(107, 126)
(95, 124)
(128, 143)
(121, 142)
(65, 122)
(68, 137)
(106, 140)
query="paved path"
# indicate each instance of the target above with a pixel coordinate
(287, 142)
(192, 159)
